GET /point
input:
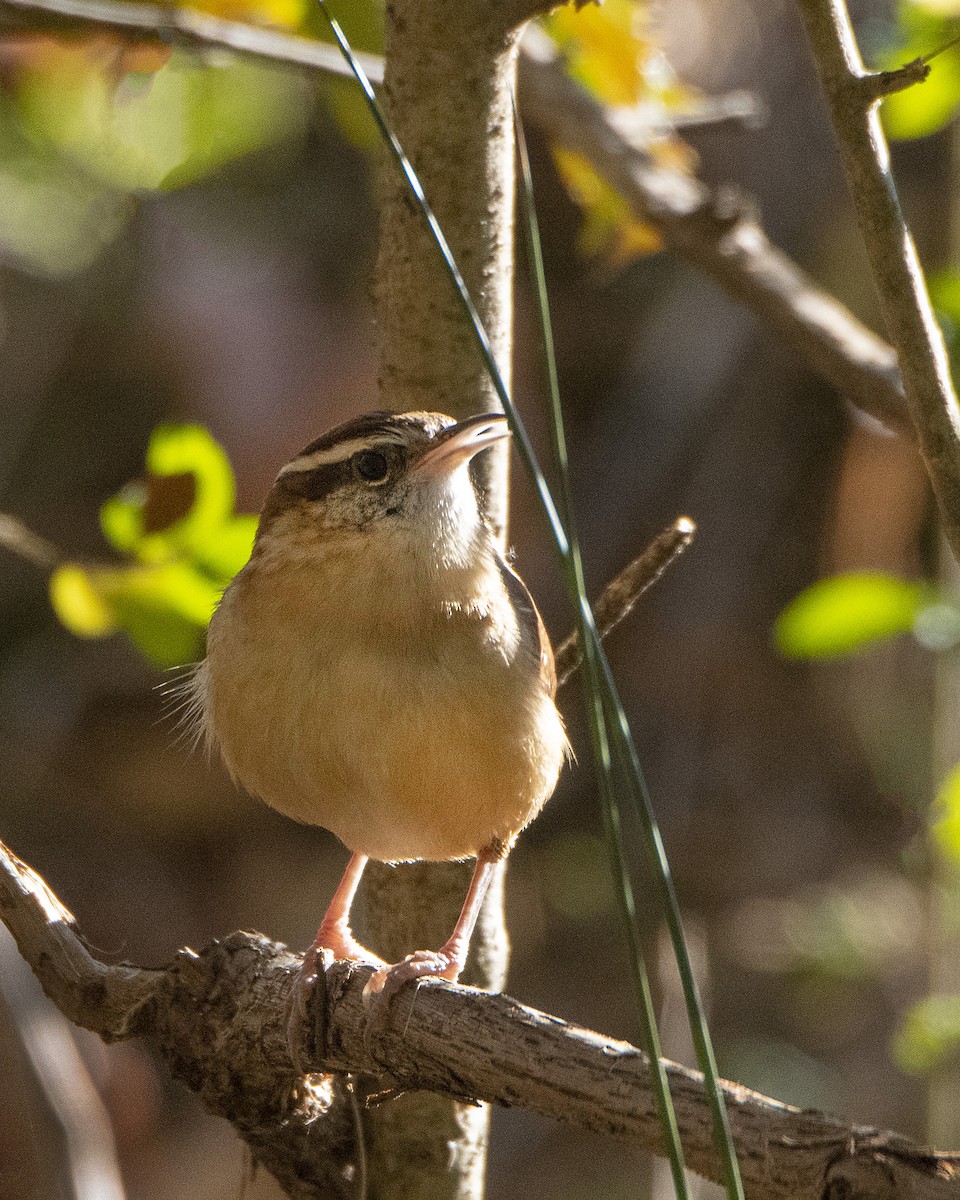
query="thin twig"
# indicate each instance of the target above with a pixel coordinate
(19, 540)
(70, 1127)
(711, 230)
(187, 27)
(617, 599)
(716, 232)
(893, 255)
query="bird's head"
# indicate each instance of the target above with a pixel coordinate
(395, 474)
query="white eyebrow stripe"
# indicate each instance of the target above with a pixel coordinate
(321, 458)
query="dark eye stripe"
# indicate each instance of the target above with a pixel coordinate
(318, 483)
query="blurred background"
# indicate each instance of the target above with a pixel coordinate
(190, 238)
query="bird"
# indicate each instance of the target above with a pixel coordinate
(379, 669)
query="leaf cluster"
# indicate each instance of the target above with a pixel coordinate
(180, 541)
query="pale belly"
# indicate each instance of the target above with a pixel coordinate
(402, 757)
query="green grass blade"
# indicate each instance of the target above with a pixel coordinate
(622, 741)
(630, 765)
(593, 695)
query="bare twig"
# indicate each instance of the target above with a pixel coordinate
(188, 27)
(874, 85)
(714, 232)
(218, 1019)
(19, 540)
(893, 256)
(617, 599)
(72, 1137)
(711, 230)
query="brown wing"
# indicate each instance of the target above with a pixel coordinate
(532, 629)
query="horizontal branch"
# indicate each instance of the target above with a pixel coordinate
(187, 27)
(714, 232)
(711, 230)
(218, 1020)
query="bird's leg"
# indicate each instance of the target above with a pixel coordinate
(449, 960)
(336, 938)
(335, 933)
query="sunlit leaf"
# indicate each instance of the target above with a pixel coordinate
(608, 48)
(189, 120)
(79, 604)
(207, 533)
(611, 52)
(228, 547)
(929, 1035)
(846, 612)
(164, 609)
(925, 107)
(190, 449)
(609, 228)
(280, 14)
(946, 811)
(121, 517)
(54, 221)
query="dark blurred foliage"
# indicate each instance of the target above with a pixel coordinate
(792, 797)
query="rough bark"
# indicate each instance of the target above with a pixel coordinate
(852, 93)
(448, 81)
(218, 1020)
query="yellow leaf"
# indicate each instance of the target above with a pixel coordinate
(283, 14)
(610, 228)
(607, 48)
(78, 603)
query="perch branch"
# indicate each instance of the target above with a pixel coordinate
(218, 1020)
(708, 229)
(617, 599)
(893, 256)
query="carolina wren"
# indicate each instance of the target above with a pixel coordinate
(377, 667)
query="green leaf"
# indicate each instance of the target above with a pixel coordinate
(839, 615)
(188, 120)
(190, 449)
(228, 547)
(79, 604)
(926, 107)
(208, 535)
(946, 808)
(929, 1035)
(163, 609)
(121, 517)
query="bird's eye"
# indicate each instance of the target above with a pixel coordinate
(371, 465)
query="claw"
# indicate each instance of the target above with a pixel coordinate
(345, 948)
(441, 964)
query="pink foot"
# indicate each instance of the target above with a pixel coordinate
(442, 963)
(330, 945)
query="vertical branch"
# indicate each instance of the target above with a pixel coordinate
(448, 81)
(854, 96)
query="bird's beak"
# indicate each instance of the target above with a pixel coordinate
(459, 443)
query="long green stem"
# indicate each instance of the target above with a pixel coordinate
(593, 693)
(606, 691)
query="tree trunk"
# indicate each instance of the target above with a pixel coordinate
(449, 75)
